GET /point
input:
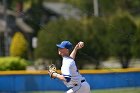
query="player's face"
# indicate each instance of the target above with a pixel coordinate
(62, 51)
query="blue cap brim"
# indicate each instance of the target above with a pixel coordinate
(59, 46)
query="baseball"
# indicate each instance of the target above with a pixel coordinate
(81, 44)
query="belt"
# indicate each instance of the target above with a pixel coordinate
(81, 82)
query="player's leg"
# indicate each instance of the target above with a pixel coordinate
(69, 91)
(85, 88)
(74, 89)
(82, 88)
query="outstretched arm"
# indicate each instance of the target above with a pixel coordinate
(78, 46)
(59, 76)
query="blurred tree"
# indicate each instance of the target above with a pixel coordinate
(132, 6)
(19, 45)
(92, 32)
(34, 15)
(85, 5)
(107, 7)
(136, 44)
(121, 33)
(55, 32)
(47, 39)
(95, 40)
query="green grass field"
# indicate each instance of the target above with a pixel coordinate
(123, 90)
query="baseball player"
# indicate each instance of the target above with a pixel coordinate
(69, 72)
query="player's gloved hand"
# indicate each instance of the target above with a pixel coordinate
(52, 71)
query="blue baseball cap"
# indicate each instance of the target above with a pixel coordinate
(64, 44)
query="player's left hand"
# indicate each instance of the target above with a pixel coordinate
(51, 70)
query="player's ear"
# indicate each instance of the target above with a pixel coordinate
(68, 50)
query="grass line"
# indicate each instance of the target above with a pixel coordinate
(121, 90)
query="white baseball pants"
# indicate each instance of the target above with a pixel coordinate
(82, 88)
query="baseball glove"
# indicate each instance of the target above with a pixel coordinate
(52, 69)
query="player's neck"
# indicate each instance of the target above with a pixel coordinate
(66, 55)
